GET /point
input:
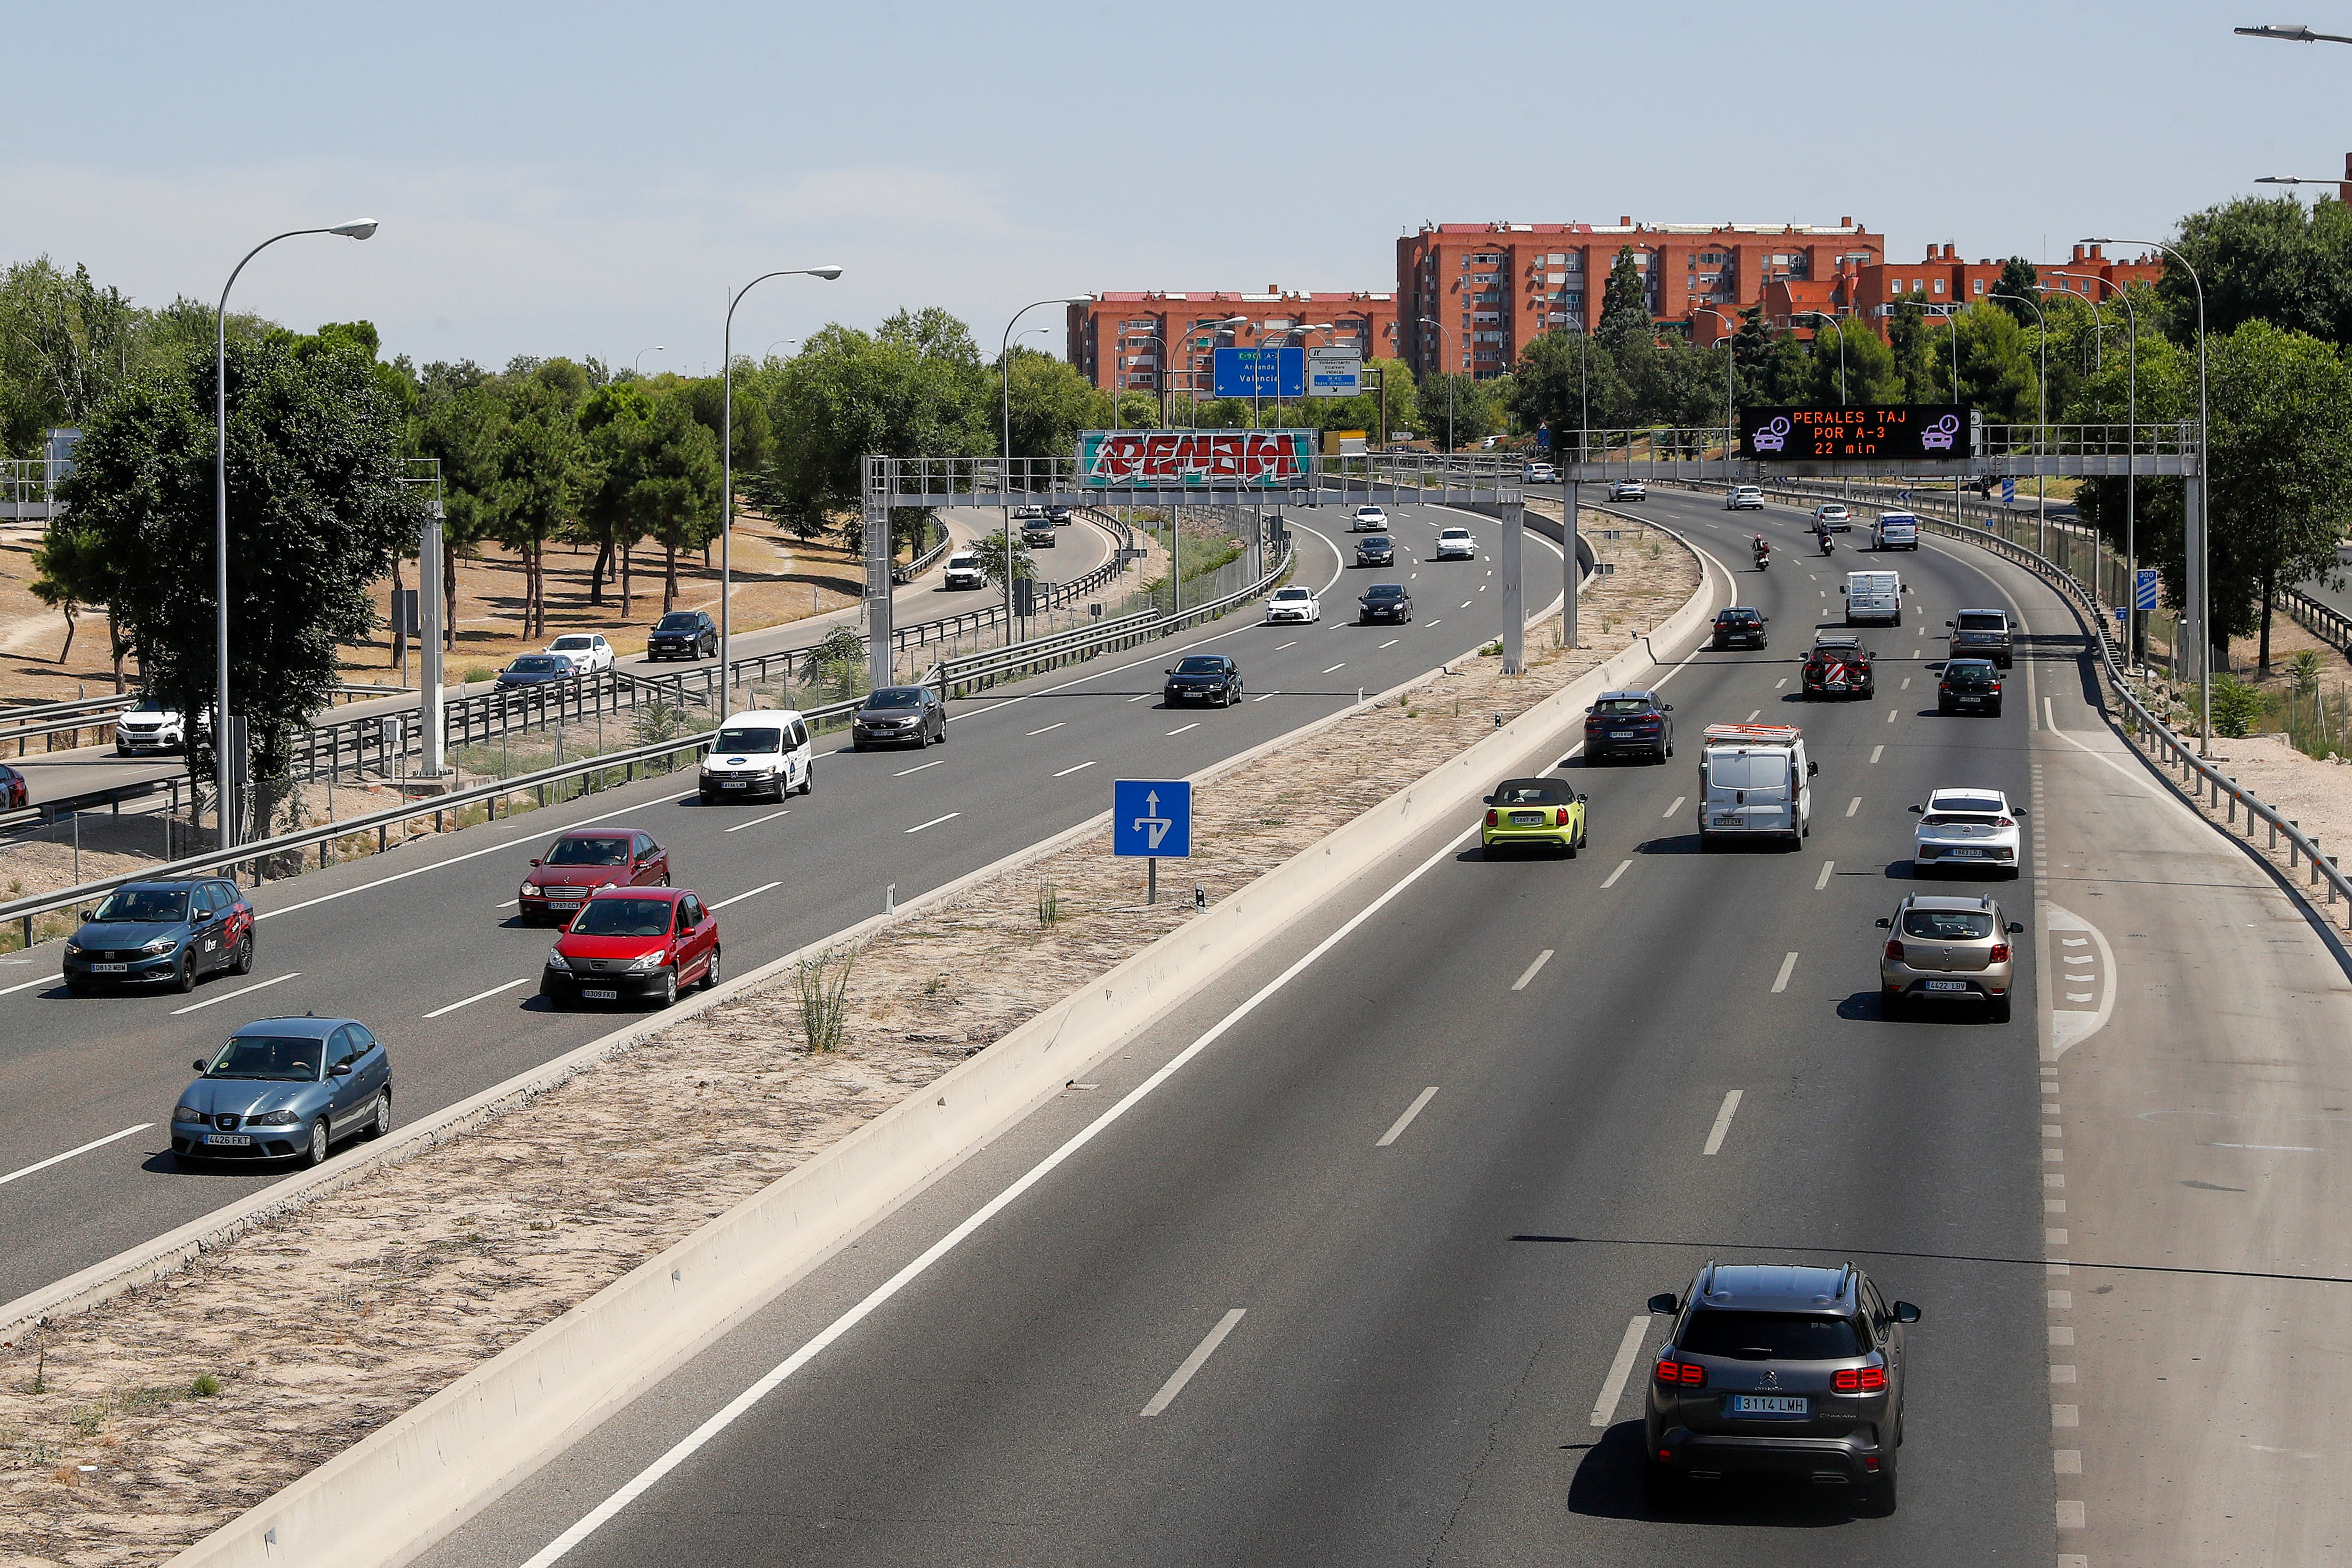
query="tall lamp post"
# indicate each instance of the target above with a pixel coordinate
(1730, 419)
(1951, 315)
(2132, 627)
(2197, 561)
(1222, 324)
(1448, 340)
(2042, 423)
(727, 476)
(2291, 33)
(1839, 327)
(1004, 474)
(358, 228)
(635, 364)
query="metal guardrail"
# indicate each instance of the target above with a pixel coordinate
(923, 563)
(2323, 621)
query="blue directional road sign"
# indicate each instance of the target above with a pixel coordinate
(2007, 492)
(2145, 598)
(1261, 372)
(1543, 438)
(1152, 817)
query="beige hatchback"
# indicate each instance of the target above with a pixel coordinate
(1944, 949)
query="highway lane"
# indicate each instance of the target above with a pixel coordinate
(395, 937)
(1434, 1289)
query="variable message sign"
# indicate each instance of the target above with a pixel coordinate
(1911, 430)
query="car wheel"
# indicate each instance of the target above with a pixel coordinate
(1883, 1494)
(670, 987)
(1892, 1005)
(1993, 711)
(76, 988)
(243, 964)
(1944, 708)
(857, 745)
(707, 799)
(808, 779)
(1570, 845)
(185, 981)
(315, 1152)
(1706, 843)
(1998, 1010)
(381, 1122)
(710, 972)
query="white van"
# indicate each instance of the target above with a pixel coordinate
(1754, 782)
(1874, 597)
(1896, 531)
(965, 571)
(765, 751)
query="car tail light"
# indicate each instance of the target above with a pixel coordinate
(1894, 949)
(1859, 1380)
(1561, 820)
(1494, 819)
(2001, 952)
(1673, 1374)
(2004, 822)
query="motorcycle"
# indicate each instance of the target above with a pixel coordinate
(1826, 545)
(1763, 558)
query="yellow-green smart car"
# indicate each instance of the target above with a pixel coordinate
(1531, 812)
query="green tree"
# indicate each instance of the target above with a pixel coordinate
(674, 497)
(2018, 277)
(72, 573)
(1998, 372)
(316, 510)
(64, 343)
(2264, 259)
(461, 410)
(1868, 369)
(1913, 349)
(542, 469)
(614, 421)
(1624, 303)
(1051, 403)
(1004, 559)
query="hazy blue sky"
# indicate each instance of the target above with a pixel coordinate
(589, 178)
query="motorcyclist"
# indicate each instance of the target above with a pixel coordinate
(1821, 533)
(1763, 550)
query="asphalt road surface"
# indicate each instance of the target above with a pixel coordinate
(422, 943)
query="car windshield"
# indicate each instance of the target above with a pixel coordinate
(1748, 770)
(1528, 791)
(1623, 705)
(1375, 541)
(1985, 805)
(1983, 623)
(270, 1056)
(1957, 819)
(896, 697)
(581, 644)
(1967, 675)
(589, 852)
(148, 705)
(963, 562)
(1737, 618)
(1836, 650)
(143, 906)
(1453, 534)
(1202, 667)
(1290, 594)
(684, 621)
(1385, 591)
(748, 741)
(623, 917)
(1948, 925)
(537, 664)
(1768, 1336)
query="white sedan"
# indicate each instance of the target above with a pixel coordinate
(1369, 519)
(1293, 603)
(1967, 829)
(1628, 489)
(1539, 474)
(1456, 544)
(588, 652)
(1835, 514)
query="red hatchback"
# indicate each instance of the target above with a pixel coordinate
(585, 859)
(634, 944)
(14, 790)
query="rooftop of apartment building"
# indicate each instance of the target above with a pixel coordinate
(1274, 295)
(1625, 224)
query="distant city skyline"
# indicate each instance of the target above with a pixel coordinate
(571, 181)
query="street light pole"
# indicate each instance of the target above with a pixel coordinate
(1446, 339)
(2291, 33)
(2041, 425)
(358, 228)
(726, 477)
(2134, 630)
(1730, 419)
(1004, 471)
(635, 363)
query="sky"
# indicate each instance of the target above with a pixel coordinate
(593, 179)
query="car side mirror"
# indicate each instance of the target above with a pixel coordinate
(1668, 708)
(2016, 927)
(340, 1070)
(1811, 769)
(1954, 627)
(1841, 587)
(1905, 1312)
(1593, 710)
(2018, 810)
(1581, 799)
(1168, 672)
(1886, 925)
(1490, 800)
(535, 862)
(1914, 810)
(200, 1065)
(1664, 1301)
(1906, 587)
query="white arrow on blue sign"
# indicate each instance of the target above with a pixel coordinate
(1151, 817)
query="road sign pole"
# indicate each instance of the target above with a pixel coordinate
(1572, 578)
(1515, 620)
(1151, 881)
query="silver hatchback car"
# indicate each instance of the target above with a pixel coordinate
(1946, 950)
(1778, 1369)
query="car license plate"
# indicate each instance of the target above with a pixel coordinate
(231, 1140)
(1964, 854)
(735, 783)
(600, 996)
(1727, 821)
(1970, 701)
(1527, 819)
(109, 969)
(1769, 1405)
(1620, 734)
(1947, 985)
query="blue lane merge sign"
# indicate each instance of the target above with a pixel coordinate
(1152, 817)
(2146, 595)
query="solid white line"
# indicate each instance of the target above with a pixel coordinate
(1193, 725)
(1677, 807)
(1874, 752)
(1341, 665)
(1722, 1122)
(28, 985)
(918, 768)
(741, 897)
(477, 996)
(1823, 880)
(1611, 880)
(934, 822)
(1854, 805)
(84, 1149)
(1541, 959)
(1605, 1407)
(753, 823)
(1780, 981)
(512, 902)
(1055, 725)
(232, 995)
(455, 859)
(1065, 772)
(2271, 1148)
(1423, 1098)
(692, 1442)
(1193, 1364)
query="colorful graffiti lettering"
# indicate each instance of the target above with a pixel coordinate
(1147, 459)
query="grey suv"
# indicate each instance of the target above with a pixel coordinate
(1947, 950)
(1781, 1369)
(1982, 634)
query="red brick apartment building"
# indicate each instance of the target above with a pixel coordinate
(1127, 336)
(1494, 288)
(1943, 279)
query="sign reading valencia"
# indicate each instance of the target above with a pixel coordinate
(1181, 460)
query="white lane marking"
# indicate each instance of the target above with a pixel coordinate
(83, 1149)
(1193, 1364)
(1390, 643)
(456, 859)
(1286, 645)
(1541, 959)
(512, 902)
(233, 996)
(1140, 697)
(1753, 717)
(1466, 604)
(753, 893)
(1604, 1408)
(1341, 665)
(918, 768)
(2270, 1148)
(1854, 805)
(1434, 623)
(1675, 808)
(1263, 697)
(1722, 1122)
(1824, 879)
(1780, 981)
(2049, 721)
(1890, 715)
(1874, 753)
(688, 1446)
(1907, 684)
(1397, 1126)
(1082, 767)
(1193, 725)
(45, 980)
(1055, 725)
(1611, 880)
(479, 995)
(753, 823)
(934, 822)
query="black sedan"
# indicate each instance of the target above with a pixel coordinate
(1629, 723)
(538, 670)
(683, 634)
(1376, 549)
(1383, 602)
(1204, 677)
(899, 716)
(1738, 627)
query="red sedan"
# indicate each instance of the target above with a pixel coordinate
(634, 944)
(585, 859)
(14, 790)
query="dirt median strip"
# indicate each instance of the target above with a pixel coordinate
(127, 1431)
